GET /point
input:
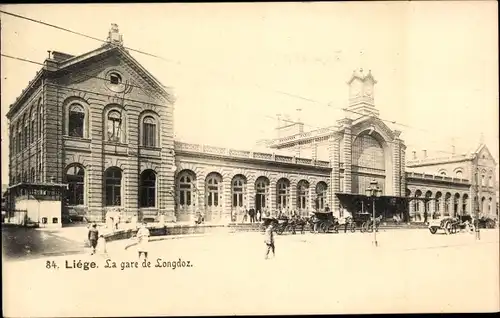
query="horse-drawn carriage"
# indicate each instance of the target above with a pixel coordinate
(452, 225)
(283, 224)
(324, 222)
(361, 220)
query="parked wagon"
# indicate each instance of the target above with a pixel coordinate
(451, 225)
(359, 221)
(324, 222)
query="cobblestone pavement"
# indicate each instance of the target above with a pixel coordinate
(410, 271)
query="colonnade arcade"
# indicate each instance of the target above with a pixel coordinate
(219, 196)
(443, 203)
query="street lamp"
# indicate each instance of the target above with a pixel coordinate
(373, 191)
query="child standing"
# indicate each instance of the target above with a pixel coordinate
(101, 245)
(143, 238)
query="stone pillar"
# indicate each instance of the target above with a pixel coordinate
(396, 171)
(403, 169)
(199, 198)
(250, 194)
(412, 209)
(272, 207)
(226, 197)
(310, 199)
(347, 144)
(334, 186)
(293, 196)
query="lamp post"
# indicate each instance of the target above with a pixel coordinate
(373, 191)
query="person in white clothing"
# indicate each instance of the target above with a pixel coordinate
(143, 240)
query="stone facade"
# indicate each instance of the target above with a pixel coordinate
(123, 148)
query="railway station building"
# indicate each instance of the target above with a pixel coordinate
(103, 125)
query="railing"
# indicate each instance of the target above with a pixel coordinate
(304, 135)
(434, 160)
(181, 146)
(416, 175)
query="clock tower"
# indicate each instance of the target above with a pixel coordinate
(361, 101)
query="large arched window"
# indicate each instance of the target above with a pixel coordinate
(40, 122)
(447, 199)
(26, 134)
(147, 189)
(465, 201)
(490, 181)
(490, 202)
(483, 180)
(212, 188)
(261, 192)
(238, 190)
(283, 193)
(186, 188)
(456, 204)
(75, 178)
(32, 175)
(302, 194)
(418, 195)
(113, 181)
(13, 133)
(149, 132)
(33, 125)
(428, 201)
(76, 120)
(438, 202)
(483, 205)
(321, 188)
(114, 126)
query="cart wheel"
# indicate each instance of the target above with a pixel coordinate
(279, 231)
(353, 228)
(369, 228)
(433, 230)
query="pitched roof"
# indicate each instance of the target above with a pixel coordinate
(106, 48)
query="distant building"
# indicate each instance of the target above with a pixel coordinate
(103, 125)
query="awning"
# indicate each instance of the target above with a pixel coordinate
(353, 202)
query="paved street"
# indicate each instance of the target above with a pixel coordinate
(410, 271)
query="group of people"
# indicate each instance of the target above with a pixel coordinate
(97, 241)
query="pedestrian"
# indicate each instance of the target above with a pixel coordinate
(101, 245)
(143, 240)
(269, 240)
(93, 236)
(258, 216)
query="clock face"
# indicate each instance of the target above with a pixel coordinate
(356, 90)
(369, 91)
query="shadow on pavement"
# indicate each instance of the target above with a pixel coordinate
(20, 243)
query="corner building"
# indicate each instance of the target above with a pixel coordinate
(103, 125)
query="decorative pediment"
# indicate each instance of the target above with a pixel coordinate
(373, 124)
(484, 154)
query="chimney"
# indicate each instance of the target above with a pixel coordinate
(60, 56)
(424, 153)
(414, 155)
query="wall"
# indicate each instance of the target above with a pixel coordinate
(37, 210)
(96, 154)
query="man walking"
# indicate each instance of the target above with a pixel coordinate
(93, 236)
(269, 239)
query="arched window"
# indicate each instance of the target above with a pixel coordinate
(418, 194)
(283, 193)
(75, 178)
(465, 201)
(32, 175)
(459, 174)
(40, 122)
(438, 203)
(442, 173)
(147, 188)
(13, 133)
(321, 195)
(302, 194)
(76, 120)
(26, 134)
(483, 205)
(212, 185)
(456, 203)
(113, 181)
(33, 126)
(490, 181)
(261, 191)
(186, 188)
(447, 204)
(114, 126)
(238, 189)
(149, 132)
(20, 137)
(428, 201)
(483, 180)
(490, 201)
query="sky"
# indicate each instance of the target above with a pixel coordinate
(234, 67)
